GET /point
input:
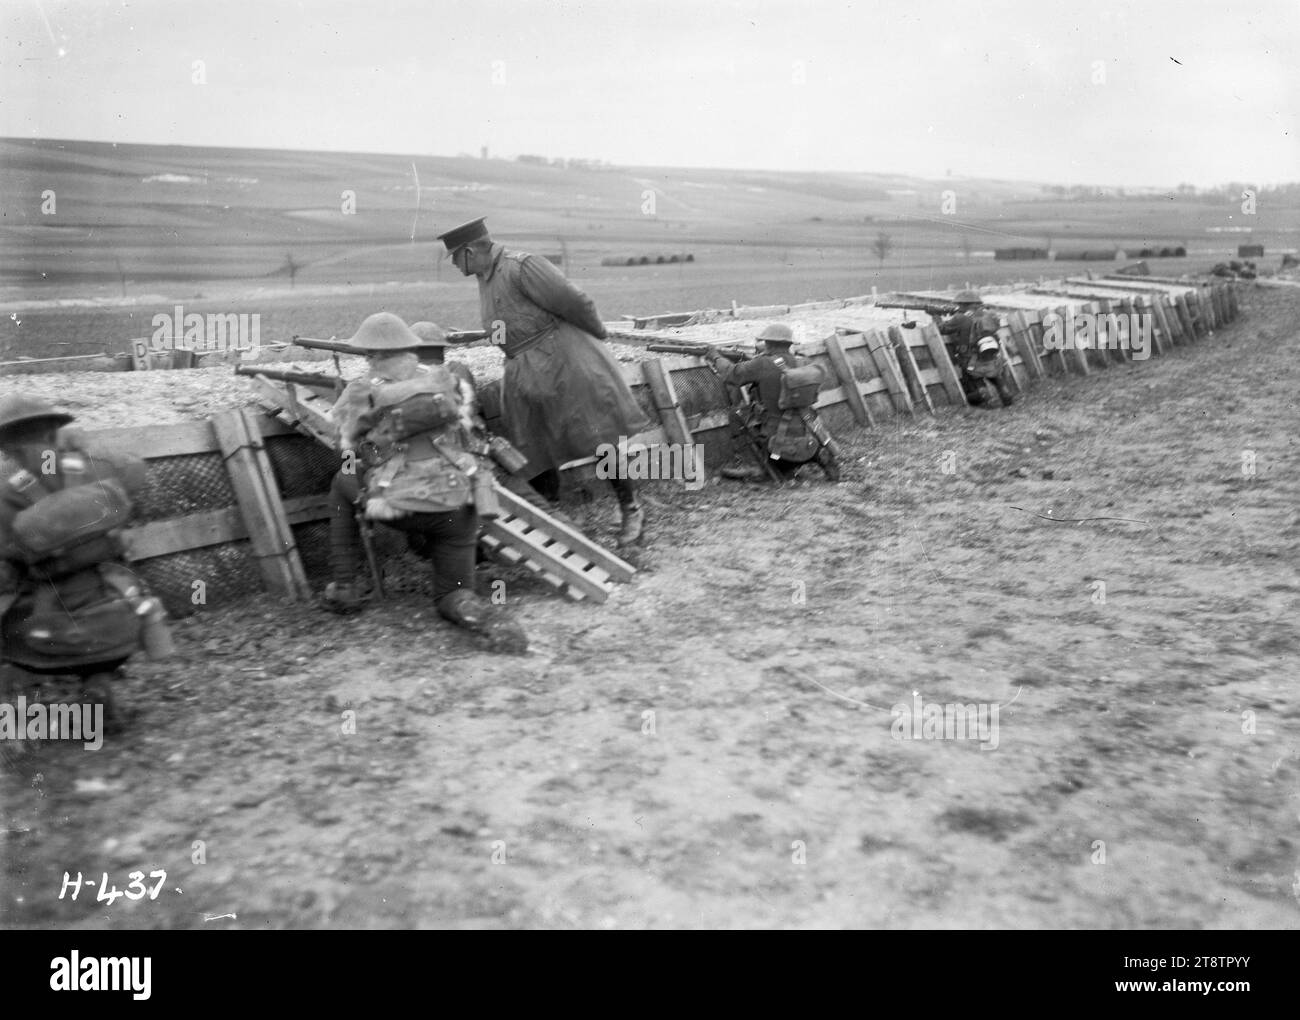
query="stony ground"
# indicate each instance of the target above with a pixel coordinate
(716, 746)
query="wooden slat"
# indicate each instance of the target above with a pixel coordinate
(1116, 353)
(666, 403)
(880, 349)
(1018, 327)
(1185, 317)
(259, 504)
(1095, 356)
(578, 573)
(180, 534)
(301, 408)
(1221, 294)
(153, 441)
(1167, 317)
(1144, 305)
(615, 568)
(212, 527)
(943, 363)
(843, 371)
(1079, 356)
(907, 364)
(511, 556)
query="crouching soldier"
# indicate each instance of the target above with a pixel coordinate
(68, 603)
(408, 464)
(971, 334)
(791, 431)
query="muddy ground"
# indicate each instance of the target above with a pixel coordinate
(715, 746)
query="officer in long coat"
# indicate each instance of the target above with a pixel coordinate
(562, 394)
(402, 430)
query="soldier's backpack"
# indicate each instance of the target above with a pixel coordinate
(72, 529)
(986, 351)
(428, 401)
(94, 622)
(799, 387)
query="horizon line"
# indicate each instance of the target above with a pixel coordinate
(599, 164)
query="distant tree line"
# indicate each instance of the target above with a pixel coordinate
(565, 164)
(1230, 192)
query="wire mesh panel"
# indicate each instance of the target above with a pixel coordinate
(215, 576)
(699, 391)
(302, 466)
(190, 484)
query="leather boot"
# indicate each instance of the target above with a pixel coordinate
(467, 610)
(829, 464)
(633, 524)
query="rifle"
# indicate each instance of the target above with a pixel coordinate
(463, 336)
(743, 429)
(700, 350)
(927, 305)
(316, 379)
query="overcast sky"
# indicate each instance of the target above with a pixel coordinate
(1153, 92)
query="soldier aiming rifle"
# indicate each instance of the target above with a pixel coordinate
(970, 333)
(782, 416)
(404, 427)
(745, 415)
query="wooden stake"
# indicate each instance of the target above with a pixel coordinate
(844, 373)
(259, 502)
(911, 373)
(882, 355)
(665, 400)
(1021, 338)
(943, 364)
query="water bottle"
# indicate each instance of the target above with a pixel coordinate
(155, 634)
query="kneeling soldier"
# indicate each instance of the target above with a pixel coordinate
(68, 603)
(792, 432)
(402, 431)
(972, 336)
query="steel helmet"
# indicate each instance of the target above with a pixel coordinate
(430, 334)
(384, 331)
(968, 297)
(777, 333)
(17, 409)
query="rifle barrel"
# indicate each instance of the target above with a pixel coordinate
(698, 350)
(325, 382)
(337, 346)
(459, 336)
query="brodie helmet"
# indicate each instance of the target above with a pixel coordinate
(384, 332)
(776, 334)
(17, 409)
(430, 334)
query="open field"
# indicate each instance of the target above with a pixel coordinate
(136, 229)
(716, 746)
